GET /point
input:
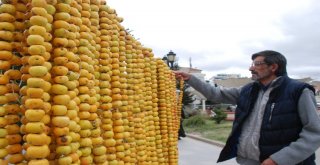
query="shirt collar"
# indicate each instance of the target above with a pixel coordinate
(274, 83)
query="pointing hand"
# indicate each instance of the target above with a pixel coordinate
(182, 75)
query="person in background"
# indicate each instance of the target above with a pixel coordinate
(181, 132)
(276, 122)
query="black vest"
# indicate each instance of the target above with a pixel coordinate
(281, 123)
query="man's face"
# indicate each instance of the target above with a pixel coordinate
(261, 71)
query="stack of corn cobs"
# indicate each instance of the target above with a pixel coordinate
(77, 88)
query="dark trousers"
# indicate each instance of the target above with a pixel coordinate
(181, 130)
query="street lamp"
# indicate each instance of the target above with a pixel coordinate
(171, 57)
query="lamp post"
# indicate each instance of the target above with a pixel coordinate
(171, 57)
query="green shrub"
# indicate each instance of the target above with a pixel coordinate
(196, 120)
(220, 115)
(210, 130)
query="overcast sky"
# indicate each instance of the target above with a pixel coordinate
(220, 35)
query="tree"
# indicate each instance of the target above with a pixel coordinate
(220, 115)
(187, 97)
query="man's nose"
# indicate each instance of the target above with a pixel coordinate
(251, 68)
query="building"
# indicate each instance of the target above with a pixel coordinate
(223, 76)
(232, 82)
(193, 71)
(199, 98)
(240, 81)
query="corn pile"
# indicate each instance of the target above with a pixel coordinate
(77, 88)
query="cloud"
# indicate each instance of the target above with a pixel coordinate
(220, 37)
(302, 41)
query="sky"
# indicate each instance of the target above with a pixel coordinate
(221, 35)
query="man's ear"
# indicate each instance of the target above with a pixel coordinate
(274, 67)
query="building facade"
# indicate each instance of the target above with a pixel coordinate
(199, 98)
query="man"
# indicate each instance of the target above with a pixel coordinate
(276, 122)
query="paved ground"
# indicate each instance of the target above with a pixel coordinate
(198, 151)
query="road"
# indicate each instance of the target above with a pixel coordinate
(196, 152)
